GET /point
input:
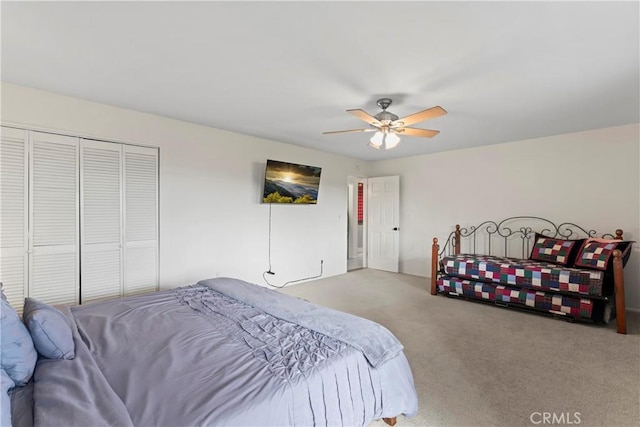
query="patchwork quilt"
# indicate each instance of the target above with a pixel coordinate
(565, 305)
(524, 273)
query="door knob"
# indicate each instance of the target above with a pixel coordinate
(395, 228)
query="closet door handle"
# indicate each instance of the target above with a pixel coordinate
(395, 228)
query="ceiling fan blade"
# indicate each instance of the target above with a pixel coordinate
(425, 133)
(350, 130)
(429, 113)
(363, 115)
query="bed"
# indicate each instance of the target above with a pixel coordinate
(530, 263)
(220, 352)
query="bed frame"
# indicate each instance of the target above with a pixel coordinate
(509, 231)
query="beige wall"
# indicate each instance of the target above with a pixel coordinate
(589, 178)
(211, 219)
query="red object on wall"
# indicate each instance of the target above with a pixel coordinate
(360, 204)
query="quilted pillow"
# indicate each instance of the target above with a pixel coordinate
(50, 330)
(17, 354)
(557, 251)
(598, 253)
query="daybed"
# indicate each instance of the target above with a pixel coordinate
(562, 270)
(221, 352)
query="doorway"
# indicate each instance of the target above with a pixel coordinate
(356, 228)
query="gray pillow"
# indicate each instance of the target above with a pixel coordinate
(50, 330)
(17, 355)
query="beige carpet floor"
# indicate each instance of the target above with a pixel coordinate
(482, 365)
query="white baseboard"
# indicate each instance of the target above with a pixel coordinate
(634, 310)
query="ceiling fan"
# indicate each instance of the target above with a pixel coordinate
(387, 126)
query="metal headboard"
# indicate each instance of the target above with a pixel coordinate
(501, 235)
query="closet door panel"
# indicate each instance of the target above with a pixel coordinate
(53, 211)
(141, 219)
(101, 274)
(54, 275)
(141, 267)
(14, 215)
(101, 219)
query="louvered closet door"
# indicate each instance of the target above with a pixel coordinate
(54, 240)
(100, 220)
(14, 215)
(140, 219)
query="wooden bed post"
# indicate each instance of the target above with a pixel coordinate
(618, 234)
(390, 421)
(434, 264)
(618, 278)
(457, 246)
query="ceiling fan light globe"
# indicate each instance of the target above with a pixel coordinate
(377, 140)
(391, 141)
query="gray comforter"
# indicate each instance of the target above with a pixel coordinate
(222, 352)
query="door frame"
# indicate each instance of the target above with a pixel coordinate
(352, 220)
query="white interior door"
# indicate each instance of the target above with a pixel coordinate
(383, 222)
(14, 215)
(54, 232)
(101, 220)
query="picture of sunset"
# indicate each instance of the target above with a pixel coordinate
(291, 183)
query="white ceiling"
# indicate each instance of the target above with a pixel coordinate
(286, 71)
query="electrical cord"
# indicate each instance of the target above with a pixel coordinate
(269, 270)
(264, 275)
(293, 281)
